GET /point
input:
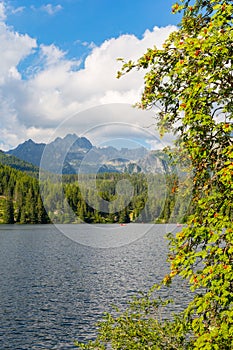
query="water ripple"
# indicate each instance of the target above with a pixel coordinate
(53, 290)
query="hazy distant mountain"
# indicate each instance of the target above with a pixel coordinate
(29, 151)
(64, 155)
(155, 162)
(32, 152)
(72, 154)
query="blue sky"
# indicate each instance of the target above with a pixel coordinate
(60, 60)
(67, 22)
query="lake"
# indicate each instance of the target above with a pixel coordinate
(56, 281)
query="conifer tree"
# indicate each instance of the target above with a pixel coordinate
(9, 211)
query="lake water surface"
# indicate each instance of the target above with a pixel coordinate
(55, 286)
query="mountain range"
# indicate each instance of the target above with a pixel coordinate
(73, 154)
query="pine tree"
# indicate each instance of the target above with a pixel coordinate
(9, 211)
(42, 217)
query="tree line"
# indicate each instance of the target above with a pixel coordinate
(152, 198)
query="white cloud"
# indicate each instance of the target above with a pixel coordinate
(60, 88)
(90, 45)
(17, 10)
(51, 54)
(14, 47)
(2, 12)
(50, 9)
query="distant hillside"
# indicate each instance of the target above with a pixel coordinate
(18, 164)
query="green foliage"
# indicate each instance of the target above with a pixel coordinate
(141, 326)
(18, 164)
(20, 200)
(9, 210)
(188, 84)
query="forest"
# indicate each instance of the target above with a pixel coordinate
(154, 198)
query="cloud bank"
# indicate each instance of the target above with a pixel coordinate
(58, 88)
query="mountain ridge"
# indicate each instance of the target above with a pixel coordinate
(71, 154)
